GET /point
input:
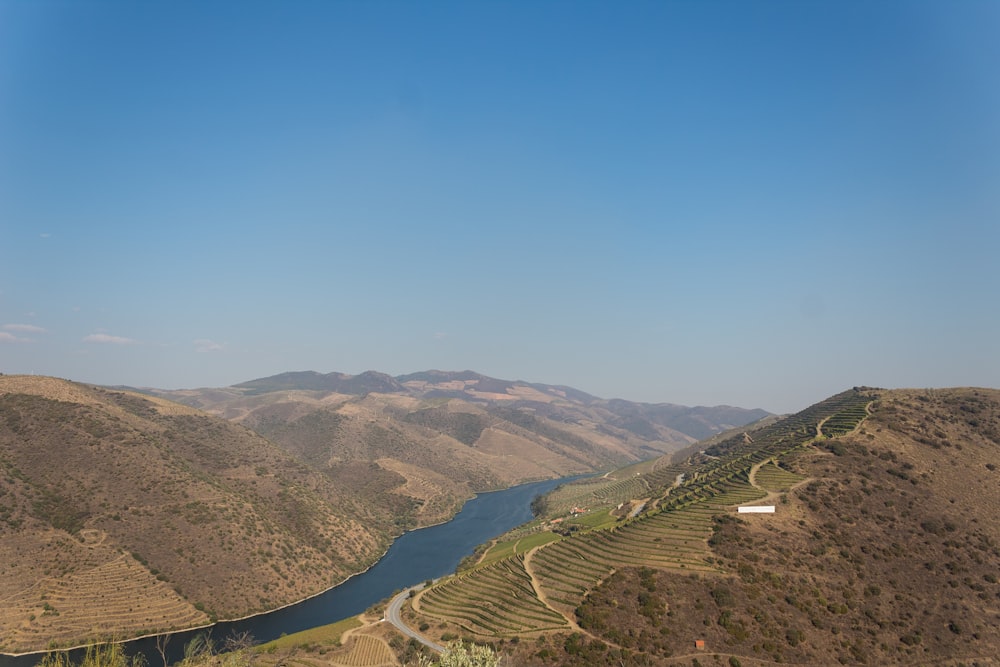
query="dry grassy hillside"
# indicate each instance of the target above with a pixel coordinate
(884, 551)
(122, 514)
(435, 453)
(438, 437)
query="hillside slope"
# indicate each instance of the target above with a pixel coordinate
(450, 433)
(884, 549)
(122, 514)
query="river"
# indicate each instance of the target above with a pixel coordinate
(414, 557)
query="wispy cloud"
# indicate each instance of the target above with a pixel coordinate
(45, 235)
(23, 328)
(205, 345)
(440, 335)
(11, 338)
(108, 339)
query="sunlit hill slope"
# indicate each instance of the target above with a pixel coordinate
(448, 434)
(122, 514)
(884, 548)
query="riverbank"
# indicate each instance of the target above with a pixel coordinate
(414, 556)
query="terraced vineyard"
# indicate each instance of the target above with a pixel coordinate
(498, 599)
(845, 421)
(125, 594)
(607, 492)
(541, 589)
(596, 493)
(663, 477)
(772, 478)
(565, 573)
(367, 651)
(674, 540)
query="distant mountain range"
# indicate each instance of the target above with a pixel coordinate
(654, 422)
(454, 433)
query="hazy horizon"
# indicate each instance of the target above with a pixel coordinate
(753, 204)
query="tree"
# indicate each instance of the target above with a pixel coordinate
(539, 506)
(200, 646)
(161, 646)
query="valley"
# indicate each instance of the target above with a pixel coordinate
(125, 514)
(645, 564)
(882, 549)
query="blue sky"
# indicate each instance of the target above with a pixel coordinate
(752, 203)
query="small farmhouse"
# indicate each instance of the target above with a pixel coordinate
(756, 509)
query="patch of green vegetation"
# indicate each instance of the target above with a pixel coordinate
(521, 545)
(595, 519)
(328, 635)
(526, 544)
(500, 551)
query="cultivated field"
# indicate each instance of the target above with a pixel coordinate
(524, 587)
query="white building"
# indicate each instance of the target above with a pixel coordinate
(756, 509)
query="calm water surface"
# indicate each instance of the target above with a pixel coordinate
(414, 557)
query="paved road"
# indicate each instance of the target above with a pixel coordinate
(392, 615)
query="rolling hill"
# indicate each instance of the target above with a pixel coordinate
(452, 433)
(123, 513)
(883, 548)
